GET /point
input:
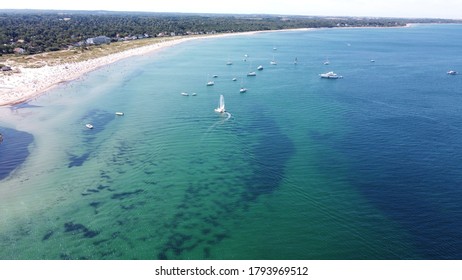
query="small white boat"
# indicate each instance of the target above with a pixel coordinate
(185, 94)
(229, 63)
(194, 94)
(273, 62)
(452, 72)
(234, 79)
(89, 126)
(119, 113)
(330, 75)
(242, 90)
(372, 60)
(250, 74)
(326, 62)
(221, 105)
(259, 68)
(211, 83)
(295, 61)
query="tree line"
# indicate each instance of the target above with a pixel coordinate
(42, 31)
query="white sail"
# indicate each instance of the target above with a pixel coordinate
(221, 105)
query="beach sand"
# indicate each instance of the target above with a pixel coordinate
(27, 83)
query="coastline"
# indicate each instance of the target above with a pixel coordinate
(28, 83)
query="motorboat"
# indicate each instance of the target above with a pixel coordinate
(330, 75)
(242, 90)
(452, 72)
(259, 68)
(119, 113)
(89, 126)
(185, 94)
(251, 74)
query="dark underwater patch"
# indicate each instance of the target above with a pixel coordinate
(124, 195)
(79, 228)
(75, 160)
(14, 149)
(47, 235)
(270, 156)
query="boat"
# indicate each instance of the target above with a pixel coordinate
(295, 61)
(215, 76)
(326, 62)
(250, 74)
(185, 94)
(243, 89)
(89, 126)
(119, 113)
(273, 62)
(210, 83)
(372, 60)
(234, 79)
(221, 105)
(330, 75)
(1, 138)
(229, 63)
(259, 68)
(194, 94)
(452, 72)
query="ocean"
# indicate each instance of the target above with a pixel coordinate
(364, 167)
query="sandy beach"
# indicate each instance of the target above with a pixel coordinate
(27, 83)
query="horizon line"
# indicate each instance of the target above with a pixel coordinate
(228, 14)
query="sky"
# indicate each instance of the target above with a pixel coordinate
(450, 9)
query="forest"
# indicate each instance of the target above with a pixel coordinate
(36, 31)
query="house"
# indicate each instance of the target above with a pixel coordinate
(98, 40)
(19, 50)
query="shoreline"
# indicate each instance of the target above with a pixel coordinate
(29, 83)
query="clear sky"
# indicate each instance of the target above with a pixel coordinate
(451, 9)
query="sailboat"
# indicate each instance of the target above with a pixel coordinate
(243, 89)
(229, 62)
(221, 105)
(210, 83)
(273, 62)
(295, 61)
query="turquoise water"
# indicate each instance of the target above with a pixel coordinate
(364, 167)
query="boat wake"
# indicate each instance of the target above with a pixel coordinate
(227, 116)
